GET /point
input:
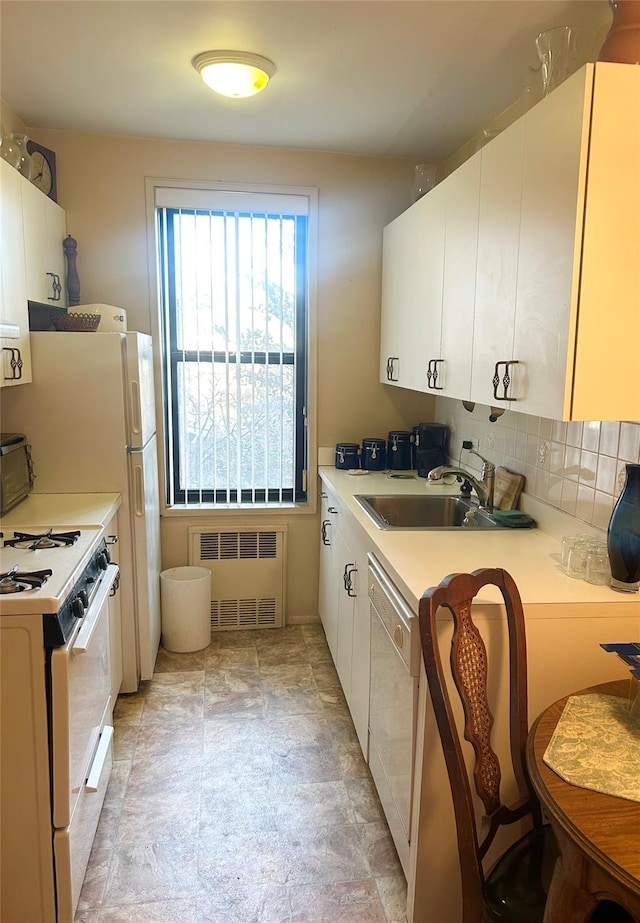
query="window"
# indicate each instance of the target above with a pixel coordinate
(234, 298)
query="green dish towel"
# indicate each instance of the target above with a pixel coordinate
(514, 519)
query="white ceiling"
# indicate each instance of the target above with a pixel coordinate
(408, 78)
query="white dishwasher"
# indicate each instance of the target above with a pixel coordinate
(393, 703)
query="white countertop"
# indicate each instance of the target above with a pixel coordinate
(72, 510)
(420, 559)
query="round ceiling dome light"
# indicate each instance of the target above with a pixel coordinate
(234, 73)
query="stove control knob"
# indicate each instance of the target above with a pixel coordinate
(82, 595)
(77, 607)
(103, 561)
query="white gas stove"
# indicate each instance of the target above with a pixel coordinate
(50, 560)
(55, 698)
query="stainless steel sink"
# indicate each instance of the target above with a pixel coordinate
(420, 511)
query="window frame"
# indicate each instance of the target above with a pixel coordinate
(157, 191)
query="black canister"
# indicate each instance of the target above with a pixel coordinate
(374, 454)
(399, 450)
(347, 455)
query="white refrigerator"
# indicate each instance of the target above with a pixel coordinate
(89, 415)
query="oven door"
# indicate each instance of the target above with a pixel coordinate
(80, 694)
(81, 743)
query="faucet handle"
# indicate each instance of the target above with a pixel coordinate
(488, 466)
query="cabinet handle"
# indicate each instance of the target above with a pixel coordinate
(506, 380)
(325, 538)
(432, 375)
(333, 510)
(56, 287)
(349, 587)
(322, 495)
(346, 578)
(15, 362)
(391, 368)
(116, 585)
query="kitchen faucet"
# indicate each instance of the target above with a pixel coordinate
(483, 488)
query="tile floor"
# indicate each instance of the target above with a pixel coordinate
(239, 794)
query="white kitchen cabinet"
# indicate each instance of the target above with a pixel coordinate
(347, 589)
(397, 365)
(413, 254)
(45, 230)
(541, 288)
(577, 337)
(14, 315)
(328, 586)
(497, 262)
(558, 254)
(424, 328)
(343, 605)
(459, 278)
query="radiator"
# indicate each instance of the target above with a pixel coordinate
(248, 574)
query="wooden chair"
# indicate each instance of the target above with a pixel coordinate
(514, 890)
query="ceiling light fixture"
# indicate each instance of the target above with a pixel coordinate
(234, 73)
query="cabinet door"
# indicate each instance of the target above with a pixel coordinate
(400, 300)
(421, 328)
(328, 585)
(497, 272)
(346, 613)
(45, 230)
(115, 639)
(460, 250)
(391, 273)
(606, 374)
(16, 354)
(553, 180)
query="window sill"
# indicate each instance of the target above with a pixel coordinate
(199, 510)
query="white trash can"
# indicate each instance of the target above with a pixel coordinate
(185, 595)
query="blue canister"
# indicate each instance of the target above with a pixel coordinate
(399, 450)
(374, 454)
(347, 455)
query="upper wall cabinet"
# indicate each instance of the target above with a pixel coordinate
(459, 279)
(45, 226)
(410, 328)
(15, 353)
(555, 306)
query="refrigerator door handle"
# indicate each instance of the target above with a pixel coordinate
(138, 490)
(136, 410)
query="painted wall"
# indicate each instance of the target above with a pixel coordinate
(101, 186)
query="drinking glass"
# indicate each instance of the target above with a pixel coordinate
(577, 560)
(598, 571)
(568, 542)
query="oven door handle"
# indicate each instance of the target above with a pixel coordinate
(90, 620)
(99, 759)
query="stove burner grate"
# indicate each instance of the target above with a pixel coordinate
(15, 582)
(48, 539)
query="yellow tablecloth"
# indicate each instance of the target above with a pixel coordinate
(596, 744)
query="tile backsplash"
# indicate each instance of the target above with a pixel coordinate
(576, 467)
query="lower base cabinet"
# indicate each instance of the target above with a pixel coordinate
(344, 609)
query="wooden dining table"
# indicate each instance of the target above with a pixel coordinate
(598, 835)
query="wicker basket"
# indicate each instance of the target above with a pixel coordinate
(77, 322)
